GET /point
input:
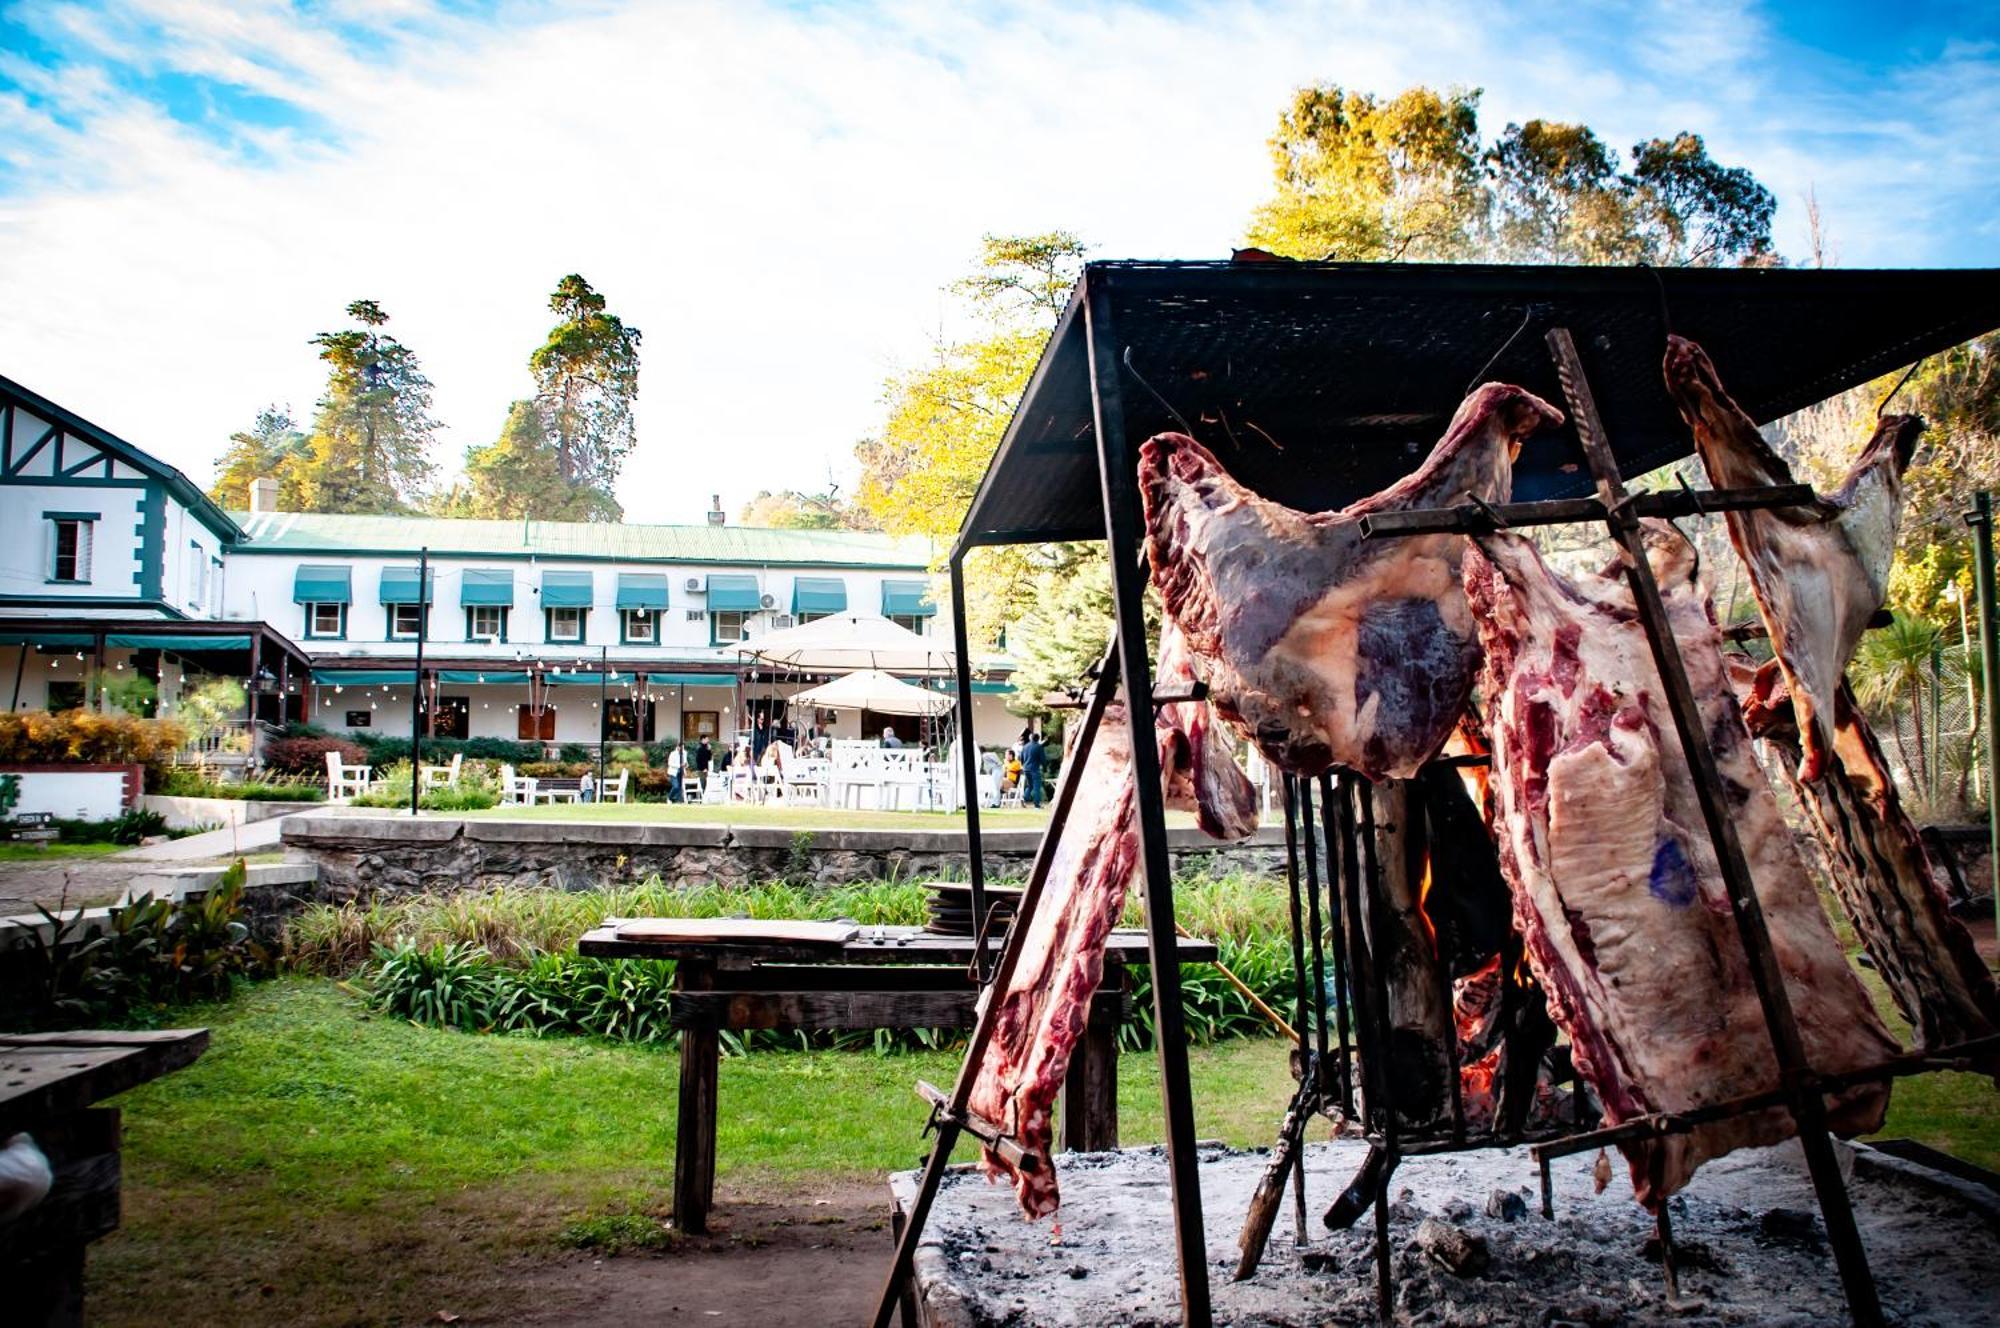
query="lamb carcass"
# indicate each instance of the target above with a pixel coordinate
(1617, 890)
(1321, 647)
(1046, 1005)
(1819, 573)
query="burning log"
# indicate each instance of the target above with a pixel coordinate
(1421, 1031)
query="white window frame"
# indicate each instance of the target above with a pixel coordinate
(649, 619)
(575, 634)
(914, 621)
(396, 611)
(718, 626)
(80, 556)
(496, 615)
(315, 631)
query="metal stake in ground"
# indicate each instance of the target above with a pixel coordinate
(1980, 518)
(1794, 1073)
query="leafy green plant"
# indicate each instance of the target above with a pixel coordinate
(449, 986)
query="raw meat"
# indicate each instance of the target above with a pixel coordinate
(1043, 1011)
(1617, 891)
(1881, 873)
(1820, 573)
(1323, 648)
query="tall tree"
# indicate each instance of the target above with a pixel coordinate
(518, 475)
(372, 434)
(793, 509)
(586, 380)
(944, 420)
(270, 448)
(1364, 178)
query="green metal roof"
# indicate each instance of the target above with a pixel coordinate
(567, 590)
(327, 533)
(486, 585)
(641, 590)
(733, 593)
(319, 583)
(819, 594)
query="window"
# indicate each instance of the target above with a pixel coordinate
(727, 627)
(71, 545)
(565, 625)
(642, 626)
(405, 620)
(326, 622)
(531, 727)
(65, 695)
(486, 622)
(804, 618)
(453, 719)
(914, 621)
(360, 719)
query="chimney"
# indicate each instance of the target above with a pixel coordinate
(715, 516)
(264, 494)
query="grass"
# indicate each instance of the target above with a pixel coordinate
(57, 852)
(319, 1165)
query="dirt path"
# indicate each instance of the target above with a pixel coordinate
(817, 1258)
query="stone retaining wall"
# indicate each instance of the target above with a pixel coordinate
(364, 856)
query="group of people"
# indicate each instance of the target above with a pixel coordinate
(1023, 767)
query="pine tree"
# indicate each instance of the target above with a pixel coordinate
(372, 435)
(271, 448)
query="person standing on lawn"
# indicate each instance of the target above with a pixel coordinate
(1031, 770)
(676, 768)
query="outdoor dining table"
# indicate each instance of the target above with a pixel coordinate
(765, 977)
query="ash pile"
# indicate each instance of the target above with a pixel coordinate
(1471, 1246)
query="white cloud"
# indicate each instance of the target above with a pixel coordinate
(776, 196)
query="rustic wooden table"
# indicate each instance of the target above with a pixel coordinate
(49, 1083)
(888, 977)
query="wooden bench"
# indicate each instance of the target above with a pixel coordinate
(556, 790)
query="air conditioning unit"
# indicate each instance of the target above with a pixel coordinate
(770, 601)
(780, 622)
(694, 586)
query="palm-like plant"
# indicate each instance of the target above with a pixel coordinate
(1894, 667)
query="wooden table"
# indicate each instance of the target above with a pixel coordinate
(49, 1083)
(889, 977)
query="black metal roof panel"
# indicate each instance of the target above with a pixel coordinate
(1320, 383)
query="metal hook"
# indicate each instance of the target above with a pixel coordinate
(1140, 378)
(1660, 288)
(1908, 374)
(1693, 497)
(1527, 316)
(1487, 509)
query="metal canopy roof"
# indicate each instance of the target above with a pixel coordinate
(1320, 383)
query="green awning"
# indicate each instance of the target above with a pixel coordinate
(322, 583)
(694, 679)
(169, 641)
(733, 594)
(486, 585)
(399, 586)
(566, 590)
(642, 590)
(906, 599)
(53, 640)
(479, 677)
(365, 677)
(819, 594)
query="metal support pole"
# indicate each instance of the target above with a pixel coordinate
(1378, 977)
(604, 710)
(1794, 1073)
(1337, 933)
(969, 750)
(1304, 1060)
(417, 680)
(1980, 518)
(951, 1122)
(1123, 530)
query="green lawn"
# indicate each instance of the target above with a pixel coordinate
(57, 852)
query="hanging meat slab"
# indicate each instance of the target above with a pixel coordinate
(1321, 647)
(1819, 573)
(1617, 890)
(1046, 1004)
(1880, 871)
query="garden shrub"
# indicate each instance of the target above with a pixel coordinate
(128, 827)
(185, 782)
(86, 737)
(307, 756)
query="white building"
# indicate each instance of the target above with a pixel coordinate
(557, 631)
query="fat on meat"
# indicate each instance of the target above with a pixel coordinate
(1820, 572)
(1617, 890)
(1880, 871)
(1321, 647)
(1043, 1011)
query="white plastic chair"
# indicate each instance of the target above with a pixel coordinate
(613, 790)
(443, 776)
(715, 788)
(345, 781)
(516, 790)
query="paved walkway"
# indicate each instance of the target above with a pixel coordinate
(230, 840)
(85, 882)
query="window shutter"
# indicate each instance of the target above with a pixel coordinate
(83, 532)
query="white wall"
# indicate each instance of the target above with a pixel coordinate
(27, 549)
(194, 566)
(79, 795)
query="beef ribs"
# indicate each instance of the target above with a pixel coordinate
(1323, 648)
(1881, 873)
(1044, 1009)
(1617, 890)
(1819, 572)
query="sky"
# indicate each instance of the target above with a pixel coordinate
(778, 194)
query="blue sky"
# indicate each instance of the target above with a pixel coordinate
(776, 193)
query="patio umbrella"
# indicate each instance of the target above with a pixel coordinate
(872, 689)
(845, 641)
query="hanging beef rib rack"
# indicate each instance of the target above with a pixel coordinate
(1317, 383)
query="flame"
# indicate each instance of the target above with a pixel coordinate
(1523, 976)
(1423, 906)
